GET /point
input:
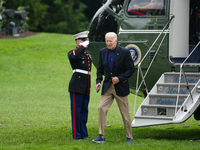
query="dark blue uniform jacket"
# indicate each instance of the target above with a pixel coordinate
(80, 59)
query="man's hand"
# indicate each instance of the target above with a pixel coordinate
(115, 80)
(99, 84)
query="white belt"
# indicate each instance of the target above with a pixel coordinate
(82, 71)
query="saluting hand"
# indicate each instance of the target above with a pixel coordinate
(85, 43)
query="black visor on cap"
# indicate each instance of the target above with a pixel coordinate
(83, 38)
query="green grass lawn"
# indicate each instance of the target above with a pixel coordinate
(35, 104)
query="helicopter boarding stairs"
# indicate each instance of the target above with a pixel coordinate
(173, 99)
(170, 100)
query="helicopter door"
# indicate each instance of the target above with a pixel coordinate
(194, 22)
(179, 30)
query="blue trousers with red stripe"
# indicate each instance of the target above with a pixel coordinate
(79, 115)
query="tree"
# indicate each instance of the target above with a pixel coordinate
(92, 7)
(1, 14)
(36, 13)
(59, 16)
(65, 16)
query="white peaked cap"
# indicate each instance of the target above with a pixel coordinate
(81, 35)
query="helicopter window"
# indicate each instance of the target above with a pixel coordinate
(146, 7)
(116, 5)
(102, 23)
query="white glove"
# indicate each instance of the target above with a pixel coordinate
(85, 44)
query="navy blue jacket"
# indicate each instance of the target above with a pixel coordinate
(123, 68)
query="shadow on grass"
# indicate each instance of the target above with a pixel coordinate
(167, 134)
(157, 132)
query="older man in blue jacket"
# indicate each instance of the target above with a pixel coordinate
(116, 64)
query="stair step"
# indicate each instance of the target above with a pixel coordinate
(172, 88)
(173, 77)
(158, 110)
(166, 99)
(154, 117)
(160, 106)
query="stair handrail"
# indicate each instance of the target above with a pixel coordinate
(139, 65)
(181, 70)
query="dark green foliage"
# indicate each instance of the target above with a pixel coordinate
(65, 17)
(92, 7)
(58, 16)
(37, 10)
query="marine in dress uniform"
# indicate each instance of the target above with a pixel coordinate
(79, 86)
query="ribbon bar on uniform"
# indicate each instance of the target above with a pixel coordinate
(82, 71)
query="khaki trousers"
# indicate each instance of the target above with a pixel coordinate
(122, 102)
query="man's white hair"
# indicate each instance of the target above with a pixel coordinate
(113, 34)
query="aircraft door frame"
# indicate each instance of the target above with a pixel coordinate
(179, 29)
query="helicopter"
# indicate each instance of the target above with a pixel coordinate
(162, 36)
